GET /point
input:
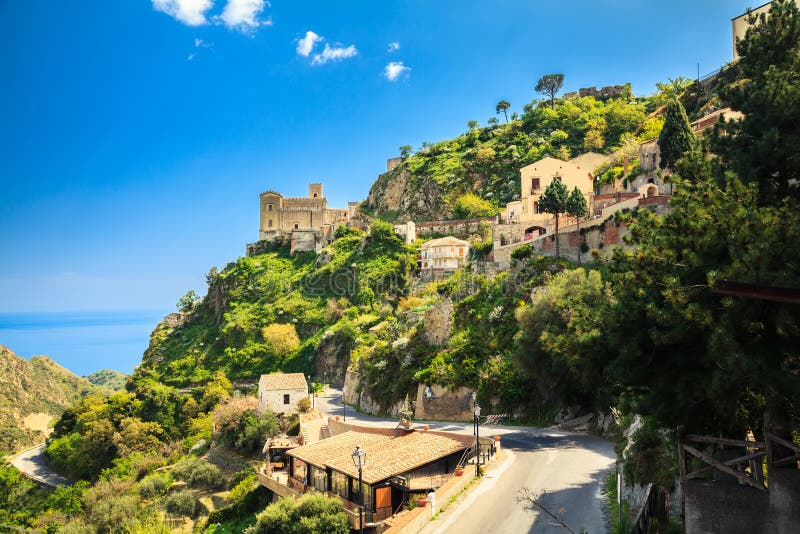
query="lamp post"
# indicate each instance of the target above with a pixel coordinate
(359, 459)
(477, 414)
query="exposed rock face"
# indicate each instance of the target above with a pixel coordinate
(438, 323)
(441, 404)
(398, 195)
(332, 358)
(357, 393)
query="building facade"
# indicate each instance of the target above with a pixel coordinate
(443, 255)
(534, 179)
(280, 392)
(281, 216)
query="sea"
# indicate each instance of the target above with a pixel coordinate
(83, 342)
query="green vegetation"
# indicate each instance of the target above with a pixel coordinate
(676, 137)
(486, 161)
(554, 201)
(310, 514)
(108, 378)
(550, 85)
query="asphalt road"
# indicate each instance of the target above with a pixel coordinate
(565, 469)
(32, 463)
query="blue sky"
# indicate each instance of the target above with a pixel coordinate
(136, 135)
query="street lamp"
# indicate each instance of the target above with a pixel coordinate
(477, 414)
(359, 459)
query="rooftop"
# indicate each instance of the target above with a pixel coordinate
(445, 241)
(281, 381)
(389, 452)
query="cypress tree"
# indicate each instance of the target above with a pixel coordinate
(554, 200)
(576, 206)
(676, 136)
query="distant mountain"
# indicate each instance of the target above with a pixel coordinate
(32, 393)
(108, 378)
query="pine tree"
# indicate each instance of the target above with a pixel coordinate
(676, 137)
(576, 206)
(762, 148)
(554, 200)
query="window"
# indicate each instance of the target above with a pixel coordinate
(269, 223)
(534, 184)
(286, 399)
(319, 478)
(269, 207)
(536, 207)
(339, 484)
(299, 471)
(367, 494)
(296, 226)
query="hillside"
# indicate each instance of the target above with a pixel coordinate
(486, 161)
(32, 393)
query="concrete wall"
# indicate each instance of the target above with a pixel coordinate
(456, 227)
(724, 508)
(594, 235)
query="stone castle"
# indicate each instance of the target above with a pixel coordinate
(308, 223)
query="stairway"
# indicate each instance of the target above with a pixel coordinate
(325, 432)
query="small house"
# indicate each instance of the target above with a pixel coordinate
(280, 392)
(443, 255)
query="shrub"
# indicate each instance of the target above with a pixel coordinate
(304, 404)
(239, 476)
(109, 514)
(311, 513)
(198, 473)
(181, 503)
(522, 252)
(152, 486)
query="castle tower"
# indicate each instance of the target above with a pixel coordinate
(314, 190)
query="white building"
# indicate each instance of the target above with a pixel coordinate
(407, 231)
(445, 254)
(280, 392)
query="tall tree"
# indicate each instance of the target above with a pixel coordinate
(554, 201)
(550, 84)
(676, 137)
(405, 151)
(762, 147)
(503, 106)
(577, 207)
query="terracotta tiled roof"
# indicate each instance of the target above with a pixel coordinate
(389, 453)
(445, 241)
(281, 381)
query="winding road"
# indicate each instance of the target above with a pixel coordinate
(566, 470)
(32, 463)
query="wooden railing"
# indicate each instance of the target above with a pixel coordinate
(745, 468)
(654, 507)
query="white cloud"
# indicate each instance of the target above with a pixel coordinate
(191, 12)
(395, 70)
(394, 46)
(306, 44)
(334, 53)
(191, 56)
(243, 14)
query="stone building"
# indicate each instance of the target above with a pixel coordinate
(534, 181)
(280, 392)
(308, 222)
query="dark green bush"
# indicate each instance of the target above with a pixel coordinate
(181, 503)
